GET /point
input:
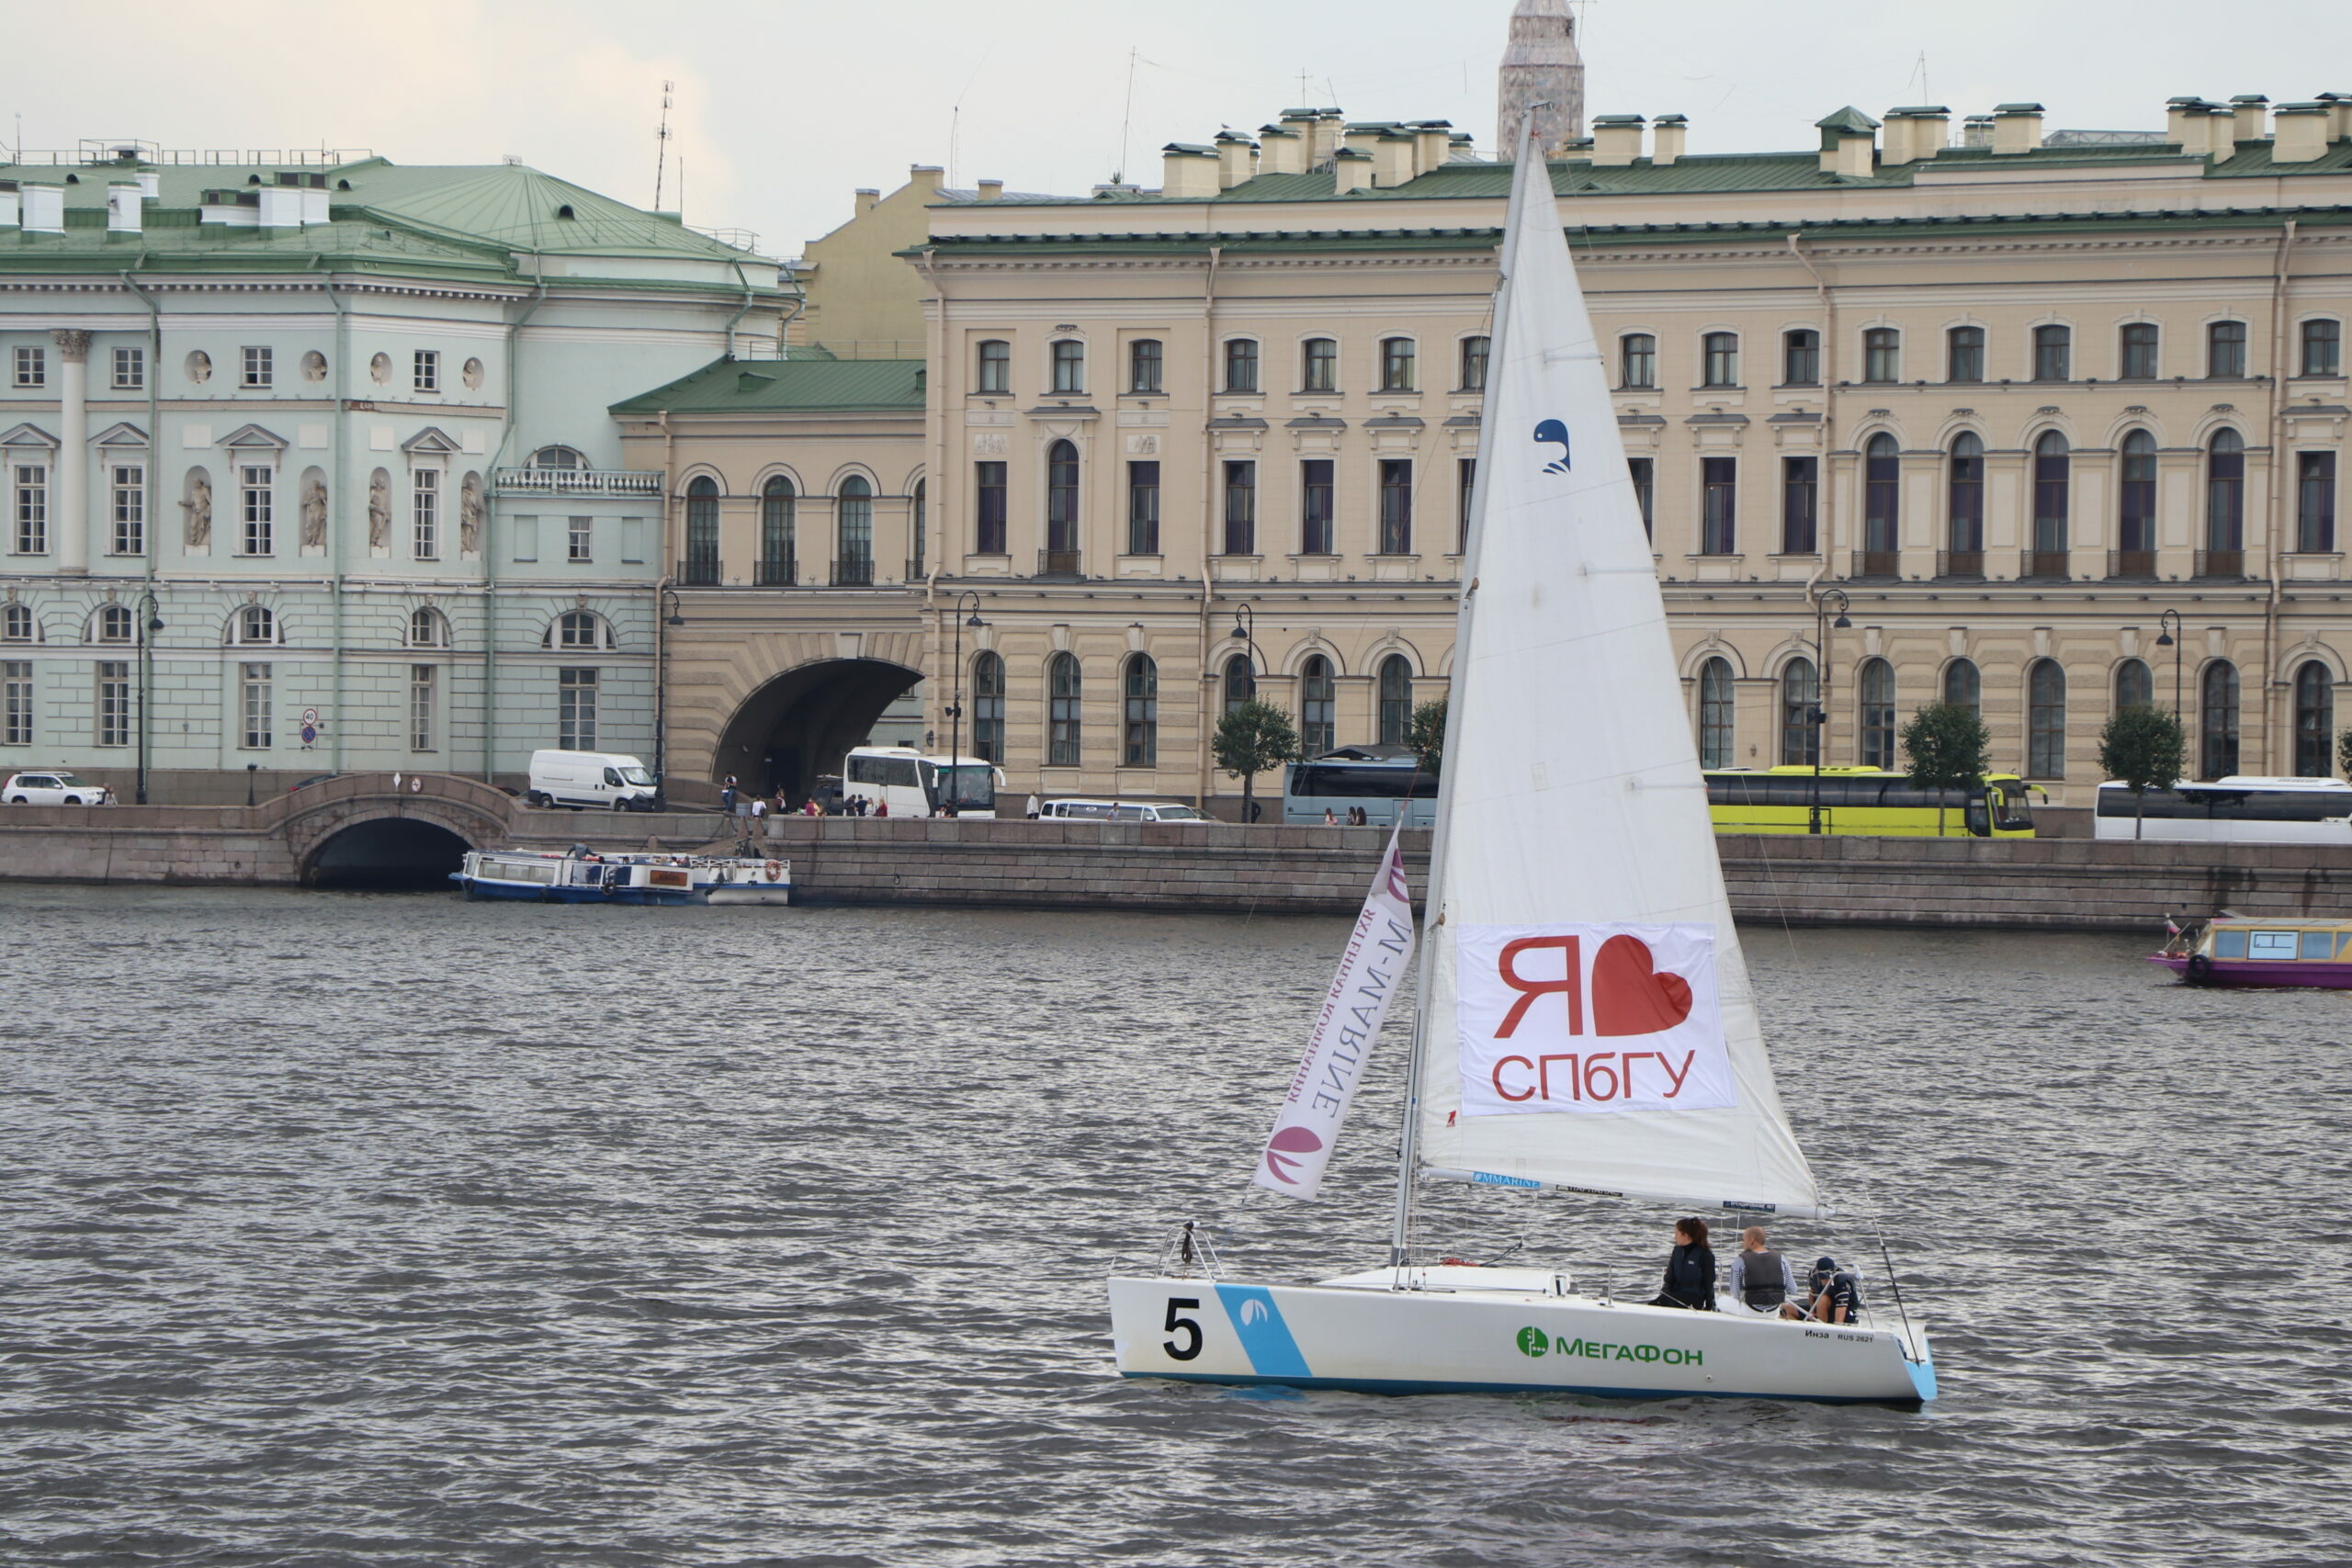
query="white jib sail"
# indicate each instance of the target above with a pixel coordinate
(1587, 1020)
(1379, 953)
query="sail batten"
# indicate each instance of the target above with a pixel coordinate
(1586, 1021)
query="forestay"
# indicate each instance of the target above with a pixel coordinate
(1587, 1021)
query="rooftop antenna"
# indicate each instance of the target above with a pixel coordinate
(1119, 175)
(662, 158)
(1927, 94)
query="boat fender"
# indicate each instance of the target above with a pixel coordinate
(774, 870)
(2201, 970)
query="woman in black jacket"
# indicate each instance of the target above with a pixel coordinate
(1690, 1271)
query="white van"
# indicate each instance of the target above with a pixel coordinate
(598, 779)
(1121, 811)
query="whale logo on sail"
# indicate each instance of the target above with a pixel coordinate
(1553, 433)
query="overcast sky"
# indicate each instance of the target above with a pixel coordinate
(785, 107)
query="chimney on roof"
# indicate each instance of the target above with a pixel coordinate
(1431, 144)
(1328, 124)
(1350, 169)
(1616, 140)
(2253, 112)
(1665, 138)
(1281, 149)
(2016, 127)
(44, 209)
(1976, 130)
(1460, 149)
(1237, 158)
(2185, 124)
(150, 186)
(991, 190)
(12, 205)
(2301, 134)
(281, 206)
(1848, 144)
(2221, 137)
(1188, 171)
(2340, 107)
(123, 211)
(1914, 133)
(926, 177)
(1392, 159)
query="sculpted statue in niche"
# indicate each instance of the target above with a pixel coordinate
(314, 367)
(199, 367)
(381, 369)
(469, 516)
(198, 507)
(314, 512)
(473, 374)
(380, 510)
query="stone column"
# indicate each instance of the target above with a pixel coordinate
(74, 452)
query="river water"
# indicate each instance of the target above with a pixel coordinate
(389, 1229)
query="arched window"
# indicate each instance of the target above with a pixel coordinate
(1070, 365)
(1062, 711)
(1963, 686)
(2136, 511)
(1319, 367)
(853, 525)
(562, 459)
(1800, 704)
(702, 532)
(254, 624)
(987, 706)
(1876, 682)
(1241, 681)
(1139, 730)
(427, 628)
(2136, 352)
(1801, 357)
(1143, 366)
(17, 623)
(1882, 354)
(1061, 507)
(1715, 714)
(576, 629)
(2225, 350)
(993, 373)
(1397, 365)
(2053, 354)
(2045, 736)
(2314, 721)
(1473, 364)
(1882, 503)
(1964, 507)
(1396, 700)
(2218, 720)
(2134, 686)
(1317, 690)
(1637, 361)
(778, 511)
(2224, 505)
(2052, 473)
(1241, 364)
(111, 624)
(1719, 353)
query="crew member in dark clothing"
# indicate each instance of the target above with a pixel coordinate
(1762, 1280)
(1690, 1271)
(1832, 1294)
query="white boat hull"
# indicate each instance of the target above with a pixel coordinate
(1453, 1336)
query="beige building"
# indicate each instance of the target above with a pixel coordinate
(2014, 394)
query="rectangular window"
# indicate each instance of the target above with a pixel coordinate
(33, 368)
(2139, 351)
(130, 495)
(1396, 507)
(1397, 365)
(255, 690)
(2323, 348)
(581, 538)
(1466, 488)
(1637, 362)
(1965, 354)
(1882, 354)
(988, 512)
(428, 370)
(1644, 473)
(1801, 363)
(17, 703)
(1070, 365)
(1719, 483)
(1241, 364)
(1320, 366)
(1722, 359)
(1143, 364)
(1473, 364)
(30, 510)
(2053, 354)
(256, 510)
(2315, 503)
(419, 707)
(575, 717)
(130, 369)
(1316, 514)
(1800, 504)
(114, 702)
(425, 513)
(260, 367)
(2225, 350)
(1143, 509)
(996, 366)
(1242, 509)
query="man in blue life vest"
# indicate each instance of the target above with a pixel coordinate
(1832, 1294)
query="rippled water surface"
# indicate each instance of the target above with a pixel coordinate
(391, 1229)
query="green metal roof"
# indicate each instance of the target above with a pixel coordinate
(729, 384)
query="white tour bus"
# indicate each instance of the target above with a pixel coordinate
(2239, 810)
(912, 785)
(602, 780)
(1123, 811)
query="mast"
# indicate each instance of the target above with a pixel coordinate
(1434, 912)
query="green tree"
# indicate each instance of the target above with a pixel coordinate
(2344, 752)
(1947, 747)
(1427, 735)
(2141, 747)
(1250, 738)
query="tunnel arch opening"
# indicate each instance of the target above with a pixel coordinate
(799, 724)
(387, 854)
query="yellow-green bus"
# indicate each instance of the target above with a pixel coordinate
(1866, 800)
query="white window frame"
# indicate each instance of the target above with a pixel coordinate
(112, 693)
(425, 372)
(17, 703)
(425, 513)
(575, 702)
(256, 509)
(421, 685)
(27, 508)
(127, 486)
(255, 691)
(130, 368)
(259, 363)
(580, 539)
(31, 365)
(244, 636)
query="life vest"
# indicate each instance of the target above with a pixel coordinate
(1763, 1280)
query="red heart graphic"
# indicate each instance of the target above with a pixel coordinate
(1629, 997)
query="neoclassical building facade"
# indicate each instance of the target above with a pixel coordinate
(2061, 418)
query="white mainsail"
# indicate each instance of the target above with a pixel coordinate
(1586, 1020)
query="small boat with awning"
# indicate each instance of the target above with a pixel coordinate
(2233, 949)
(580, 875)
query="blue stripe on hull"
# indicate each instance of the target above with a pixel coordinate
(507, 892)
(1410, 1386)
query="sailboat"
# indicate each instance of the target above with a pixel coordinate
(1585, 1022)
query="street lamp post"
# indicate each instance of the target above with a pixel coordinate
(150, 623)
(665, 598)
(2169, 636)
(1822, 625)
(956, 707)
(1244, 632)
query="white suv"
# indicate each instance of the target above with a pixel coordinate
(53, 789)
